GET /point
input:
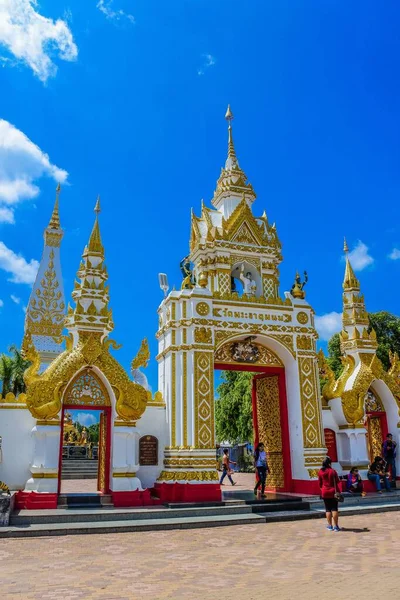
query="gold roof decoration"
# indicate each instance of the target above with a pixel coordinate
(232, 180)
(55, 217)
(241, 227)
(95, 244)
(87, 346)
(350, 281)
(46, 308)
(355, 335)
(45, 391)
(90, 294)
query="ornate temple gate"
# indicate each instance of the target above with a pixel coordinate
(88, 392)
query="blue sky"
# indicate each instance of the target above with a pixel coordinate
(126, 99)
(85, 417)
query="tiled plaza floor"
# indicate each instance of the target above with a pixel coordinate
(299, 561)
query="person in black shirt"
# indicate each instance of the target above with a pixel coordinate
(376, 472)
(389, 448)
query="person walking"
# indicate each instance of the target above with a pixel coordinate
(260, 463)
(226, 470)
(329, 485)
(389, 448)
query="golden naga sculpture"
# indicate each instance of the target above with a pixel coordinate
(297, 289)
(45, 391)
(333, 388)
(353, 399)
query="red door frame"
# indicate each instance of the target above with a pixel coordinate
(268, 372)
(107, 412)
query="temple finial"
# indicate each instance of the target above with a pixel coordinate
(55, 217)
(232, 160)
(350, 281)
(95, 244)
(228, 114)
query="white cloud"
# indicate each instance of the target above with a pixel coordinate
(395, 254)
(32, 38)
(21, 271)
(21, 163)
(106, 7)
(85, 419)
(209, 61)
(15, 299)
(1, 303)
(6, 215)
(328, 324)
(359, 257)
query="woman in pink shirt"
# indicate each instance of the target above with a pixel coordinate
(329, 484)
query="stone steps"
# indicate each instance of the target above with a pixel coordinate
(29, 523)
(79, 469)
(105, 513)
(52, 529)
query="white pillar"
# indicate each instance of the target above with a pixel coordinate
(125, 459)
(44, 466)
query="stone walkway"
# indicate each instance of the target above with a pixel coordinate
(300, 560)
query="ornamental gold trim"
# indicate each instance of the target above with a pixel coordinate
(45, 475)
(130, 474)
(205, 476)
(173, 399)
(184, 399)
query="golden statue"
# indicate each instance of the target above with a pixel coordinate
(84, 437)
(297, 290)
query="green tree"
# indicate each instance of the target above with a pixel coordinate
(94, 431)
(233, 408)
(334, 355)
(12, 370)
(387, 329)
(6, 370)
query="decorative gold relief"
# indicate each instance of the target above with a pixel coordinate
(45, 315)
(202, 309)
(173, 399)
(304, 342)
(188, 476)
(226, 354)
(302, 318)
(203, 335)
(44, 392)
(375, 436)
(310, 406)
(86, 390)
(184, 399)
(269, 427)
(204, 399)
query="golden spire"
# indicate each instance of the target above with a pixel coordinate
(350, 281)
(55, 217)
(232, 158)
(95, 244)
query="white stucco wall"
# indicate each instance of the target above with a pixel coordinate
(17, 446)
(153, 422)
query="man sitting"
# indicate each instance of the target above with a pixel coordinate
(354, 483)
(376, 474)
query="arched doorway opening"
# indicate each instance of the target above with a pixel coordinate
(269, 402)
(85, 444)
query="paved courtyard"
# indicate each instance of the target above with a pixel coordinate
(299, 560)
